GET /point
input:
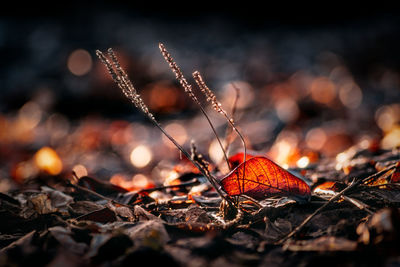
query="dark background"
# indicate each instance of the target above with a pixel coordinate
(259, 44)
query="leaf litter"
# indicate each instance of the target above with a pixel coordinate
(258, 214)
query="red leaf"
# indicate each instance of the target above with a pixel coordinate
(396, 174)
(264, 178)
(238, 158)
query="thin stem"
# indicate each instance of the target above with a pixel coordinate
(188, 89)
(216, 135)
(234, 105)
(337, 196)
(218, 107)
(121, 79)
(209, 177)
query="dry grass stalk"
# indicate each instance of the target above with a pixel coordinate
(210, 96)
(218, 107)
(229, 130)
(122, 80)
(188, 89)
(178, 73)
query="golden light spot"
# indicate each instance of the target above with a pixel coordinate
(215, 152)
(119, 180)
(24, 170)
(303, 162)
(350, 95)
(80, 170)
(141, 156)
(140, 181)
(391, 139)
(341, 157)
(177, 131)
(79, 62)
(170, 176)
(316, 138)
(284, 150)
(387, 116)
(47, 160)
(323, 90)
(341, 160)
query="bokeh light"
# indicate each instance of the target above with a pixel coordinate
(391, 139)
(287, 110)
(80, 170)
(350, 95)
(79, 62)
(246, 94)
(316, 138)
(177, 131)
(387, 116)
(303, 162)
(140, 181)
(323, 90)
(30, 115)
(47, 160)
(141, 156)
(215, 151)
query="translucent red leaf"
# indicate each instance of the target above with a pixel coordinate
(238, 158)
(263, 178)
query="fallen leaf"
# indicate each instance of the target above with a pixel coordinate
(395, 178)
(238, 158)
(64, 237)
(150, 234)
(102, 187)
(106, 247)
(102, 216)
(144, 215)
(23, 243)
(59, 200)
(41, 203)
(391, 176)
(84, 207)
(381, 230)
(329, 188)
(324, 243)
(195, 214)
(260, 178)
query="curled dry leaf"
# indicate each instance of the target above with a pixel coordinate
(260, 178)
(391, 176)
(329, 188)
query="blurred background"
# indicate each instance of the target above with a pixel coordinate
(313, 81)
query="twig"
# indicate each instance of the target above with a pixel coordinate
(253, 200)
(359, 204)
(340, 194)
(89, 191)
(195, 156)
(298, 228)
